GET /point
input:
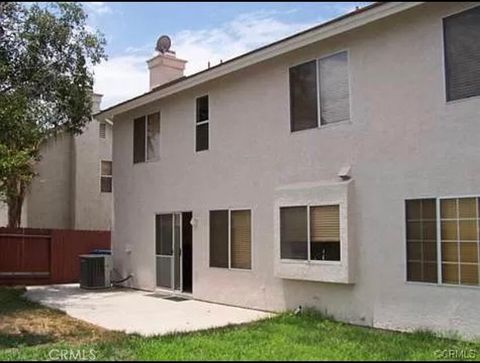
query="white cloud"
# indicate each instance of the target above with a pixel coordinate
(126, 75)
(98, 7)
(121, 78)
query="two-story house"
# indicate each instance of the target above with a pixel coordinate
(72, 188)
(337, 168)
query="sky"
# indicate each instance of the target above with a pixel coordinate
(200, 32)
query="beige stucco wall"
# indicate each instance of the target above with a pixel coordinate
(403, 141)
(93, 209)
(66, 191)
(49, 197)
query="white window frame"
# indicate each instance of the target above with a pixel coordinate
(440, 282)
(145, 146)
(309, 260)
(229, 267)
(317, 79)
(207, 121)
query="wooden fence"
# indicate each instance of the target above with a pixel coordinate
(45, 256)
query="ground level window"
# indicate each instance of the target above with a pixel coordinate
(310, 233)
(230, 239)
(455, 249)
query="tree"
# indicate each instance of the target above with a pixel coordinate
(47, 52)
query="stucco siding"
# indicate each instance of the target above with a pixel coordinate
(403, 141)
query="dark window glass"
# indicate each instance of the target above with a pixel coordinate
(303, 97)
(462, 54)
(106, 184)
(139, 140)
(421, 215)
(293, 233)
(202, 137)
(163, 234)
(202, 109)
(219, 238)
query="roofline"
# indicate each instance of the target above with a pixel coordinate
(343, 23)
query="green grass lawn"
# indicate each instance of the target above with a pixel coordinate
(30, 331)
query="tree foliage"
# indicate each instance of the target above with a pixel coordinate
(47, 52)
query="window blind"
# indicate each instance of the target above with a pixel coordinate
(325, 224)
(241, 243)
(153, 136)
(462, 54)
(334, 88)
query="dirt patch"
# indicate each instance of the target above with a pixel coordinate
(26, 323)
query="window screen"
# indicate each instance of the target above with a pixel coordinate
(219, 238)
(202, 109)
(153, 136)
(325, 233)
(139, 140)
(241, 244)
(202, 137)
(421, 215)
(106, 177)
(462, 54)
(164, 234)
(303, 97)
(334, 88)
(293, 233)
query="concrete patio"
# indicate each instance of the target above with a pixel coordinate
(140, 312)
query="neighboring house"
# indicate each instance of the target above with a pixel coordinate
(73, 187)
(337, 168)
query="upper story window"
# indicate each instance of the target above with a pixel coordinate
(451, 255)
(106, 177)
(202, 124)
(310, 233)
(102, 131)
(462, 54)
(146, 138)
(319, 87)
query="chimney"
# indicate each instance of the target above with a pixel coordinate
(165, 66)
(96, 101)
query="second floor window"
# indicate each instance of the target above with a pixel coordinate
(106, 177)
(462, 54)
(319, 88)
(202, 124)
(146, 138)
(102, 131)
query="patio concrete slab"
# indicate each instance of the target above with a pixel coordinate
(139, 312)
